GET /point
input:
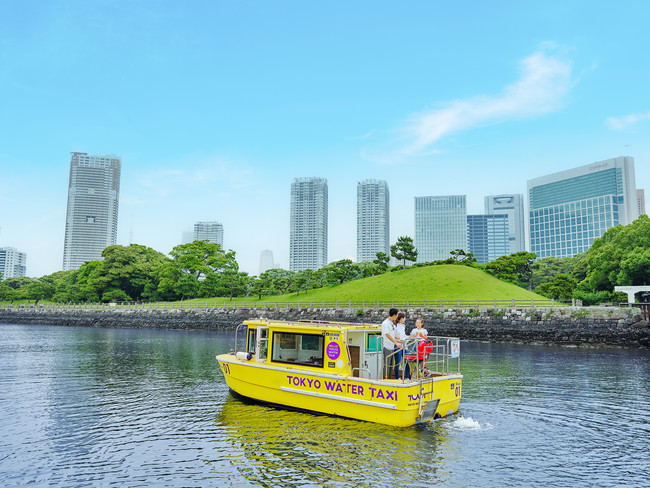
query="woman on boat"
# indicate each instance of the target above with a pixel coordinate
(400, 334)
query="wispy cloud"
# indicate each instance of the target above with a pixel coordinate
(196, 175)
(542, 87)
(624, 122)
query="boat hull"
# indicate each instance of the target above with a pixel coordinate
(390, 402)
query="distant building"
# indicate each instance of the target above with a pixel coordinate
(13, 263)
(373, 219)
(187, 237)
(569, 209)
(640, 200)
(488, 236)
(511, 205)
(266, 260)
(440, 226)
(308, 224)
(209, 231)
(93, 204)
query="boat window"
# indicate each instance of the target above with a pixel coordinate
(296, 348)
(251, 341)
(374, 343)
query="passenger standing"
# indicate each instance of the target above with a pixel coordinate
(419, 331)
(389, 340)
(400, 333)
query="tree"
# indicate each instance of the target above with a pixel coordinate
(341, 271)
(404, 250)
(460, 256)
(560, 288)
(619, 257)
(516, 268)
(381, 261)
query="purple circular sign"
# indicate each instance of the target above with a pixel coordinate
(333, 350)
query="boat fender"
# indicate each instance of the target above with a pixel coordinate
(246, 356)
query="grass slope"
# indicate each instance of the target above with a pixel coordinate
(443, 282)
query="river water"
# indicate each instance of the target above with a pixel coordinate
(116, 407)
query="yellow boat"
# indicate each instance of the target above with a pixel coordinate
(336, 368)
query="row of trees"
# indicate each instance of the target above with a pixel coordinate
(201, 269)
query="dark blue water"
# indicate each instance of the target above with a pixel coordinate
(97, 407)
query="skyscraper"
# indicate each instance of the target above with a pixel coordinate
(266, 260)
(308, 224)
(640, 199)
(373, 219)
(93, 204)
(209, 231)
(440, 226)
(488, 236)
(511, 205)
(569, 209)
(13, 263)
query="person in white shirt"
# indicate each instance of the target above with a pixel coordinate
(418, 331)
(400, 333)
(389, 340)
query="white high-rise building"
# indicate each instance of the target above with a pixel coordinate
(569, 209)
(93, 204)
(13, 263)
(640, 199)
(308, 224)
(209, 231)
(373, 219)
(440, 226)
(266, 260)
(511, 205)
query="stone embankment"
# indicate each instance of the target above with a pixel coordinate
(624, 327)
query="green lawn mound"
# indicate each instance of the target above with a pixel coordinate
(442, 282)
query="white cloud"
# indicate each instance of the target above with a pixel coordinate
(542, 88)
(624, 122)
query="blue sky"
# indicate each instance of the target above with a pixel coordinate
(216, 106)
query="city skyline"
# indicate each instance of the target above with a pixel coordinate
(214, 109)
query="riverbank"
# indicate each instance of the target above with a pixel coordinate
(589, 326)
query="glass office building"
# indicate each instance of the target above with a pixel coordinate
(440, 226)
(308, 224)
(93, 204)
(511, 205)
(569, 209)
(373, 219)
(488, 236)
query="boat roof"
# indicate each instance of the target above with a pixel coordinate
(311, 325)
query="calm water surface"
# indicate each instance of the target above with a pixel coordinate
(102, 407)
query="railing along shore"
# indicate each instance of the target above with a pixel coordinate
(359, 304)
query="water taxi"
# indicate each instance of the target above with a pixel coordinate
(336, 368)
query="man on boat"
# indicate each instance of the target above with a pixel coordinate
(389, 340)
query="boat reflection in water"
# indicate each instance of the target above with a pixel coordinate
(270, 447)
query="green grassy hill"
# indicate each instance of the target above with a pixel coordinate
(443, 282)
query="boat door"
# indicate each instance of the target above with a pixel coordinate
(262, 347)
(373, 358)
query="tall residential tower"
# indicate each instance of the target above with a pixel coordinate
(308, 224)
(569, 209)
(373, 219)
(93, 203)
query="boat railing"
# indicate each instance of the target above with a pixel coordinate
(435, 356)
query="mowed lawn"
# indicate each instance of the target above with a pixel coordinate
(443, 282)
